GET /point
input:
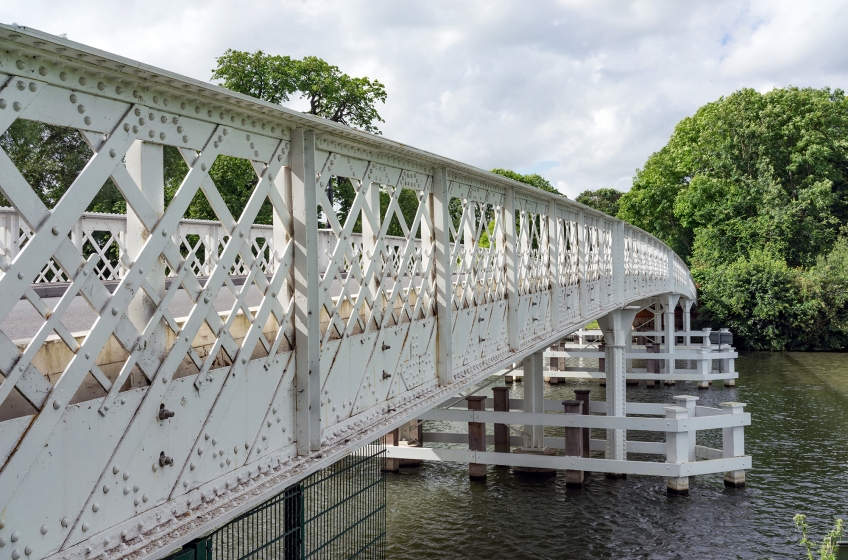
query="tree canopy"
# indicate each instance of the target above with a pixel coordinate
(533, 179)
(753, 190)
(605, 200)
(331, 94)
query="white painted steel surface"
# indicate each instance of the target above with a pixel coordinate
(334, 354)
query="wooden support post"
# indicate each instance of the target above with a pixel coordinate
(582, 395)
(652, 366)
(602, 364)
(573, 444)
(501, 395)
(476, 437)
(534, 395)
(677, 450)
(391, 439)
(687, 402)
(733, 444)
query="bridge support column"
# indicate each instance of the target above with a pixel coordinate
(616, 326)
(687, 319)
(582, 395)
(534, 395)
(669, 303)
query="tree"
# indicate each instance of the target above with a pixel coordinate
(533, 179)
(605, 200)
(331, 94)
(753, 190)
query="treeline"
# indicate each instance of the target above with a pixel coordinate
(752, 190)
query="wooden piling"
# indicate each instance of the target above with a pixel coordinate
(602, 363)
(391, 439)
(476, 437)
(573, 444)
(501, 395)
(582, 395)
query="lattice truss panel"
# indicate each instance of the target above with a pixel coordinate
(568, 266)
(478, 240)
(225, 375)
(645, 264)
(376, 296)
(533, 264)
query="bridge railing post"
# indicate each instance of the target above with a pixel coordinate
(733, 444)
(440, 214)
(677, 449)
(511, 259)
(306, 282)
(553, 264)
(582, 264)
(145, 164)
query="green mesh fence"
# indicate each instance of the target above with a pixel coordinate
(338, 512)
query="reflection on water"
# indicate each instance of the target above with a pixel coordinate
(799, 444)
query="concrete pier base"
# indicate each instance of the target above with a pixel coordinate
(678, 485)
(534, 471)
(734, 479)
(703, 384)
(730, 383)
(391, 438)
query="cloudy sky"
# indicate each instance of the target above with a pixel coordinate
(579, 91)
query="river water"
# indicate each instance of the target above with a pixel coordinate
(798, 441)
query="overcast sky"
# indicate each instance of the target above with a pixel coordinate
(581, 92)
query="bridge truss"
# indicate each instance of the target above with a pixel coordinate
(148, 429)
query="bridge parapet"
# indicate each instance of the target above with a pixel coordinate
(356, 330)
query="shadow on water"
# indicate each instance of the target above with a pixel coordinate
(799, 445)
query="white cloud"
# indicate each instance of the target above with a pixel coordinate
(581, 91)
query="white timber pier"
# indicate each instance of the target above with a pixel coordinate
(162, 375)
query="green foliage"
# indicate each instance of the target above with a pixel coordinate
(533, 179)
(828, 546)
(753, 190)
(331, 93)
(605, 200)
(50, 158)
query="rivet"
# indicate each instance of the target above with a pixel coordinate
(55, 230)
(95, 507)
(161, 135)
(135, 129)
(2, 541)
(164, 233)
(32, 86)
(241, 234)
(126, 127)
(16, 554)
(16, 106)
(144, 498)
(82, 80)
(87, 120)
(42, 71)
(221, 464)
(85, 527)
(203, 167)
(15, 536)
(114, 311)
(192, 466)
(214, 441)
(115, 469)
(65, 522)
(136, 501)
(20, 64)
(126, 490)
(164, 119)
(119, 90)
(63, 76)
(200, 451)
(2, 103)
(112, 152)
(185, 139)
(57, 404)
(101, 86)
(21, 85)
(155, 467)
(20, 275)
(105, 489)
(152, 133)
(135, 487)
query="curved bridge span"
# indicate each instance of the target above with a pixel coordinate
(152, 426)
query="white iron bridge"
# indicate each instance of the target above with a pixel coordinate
(162, 375)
